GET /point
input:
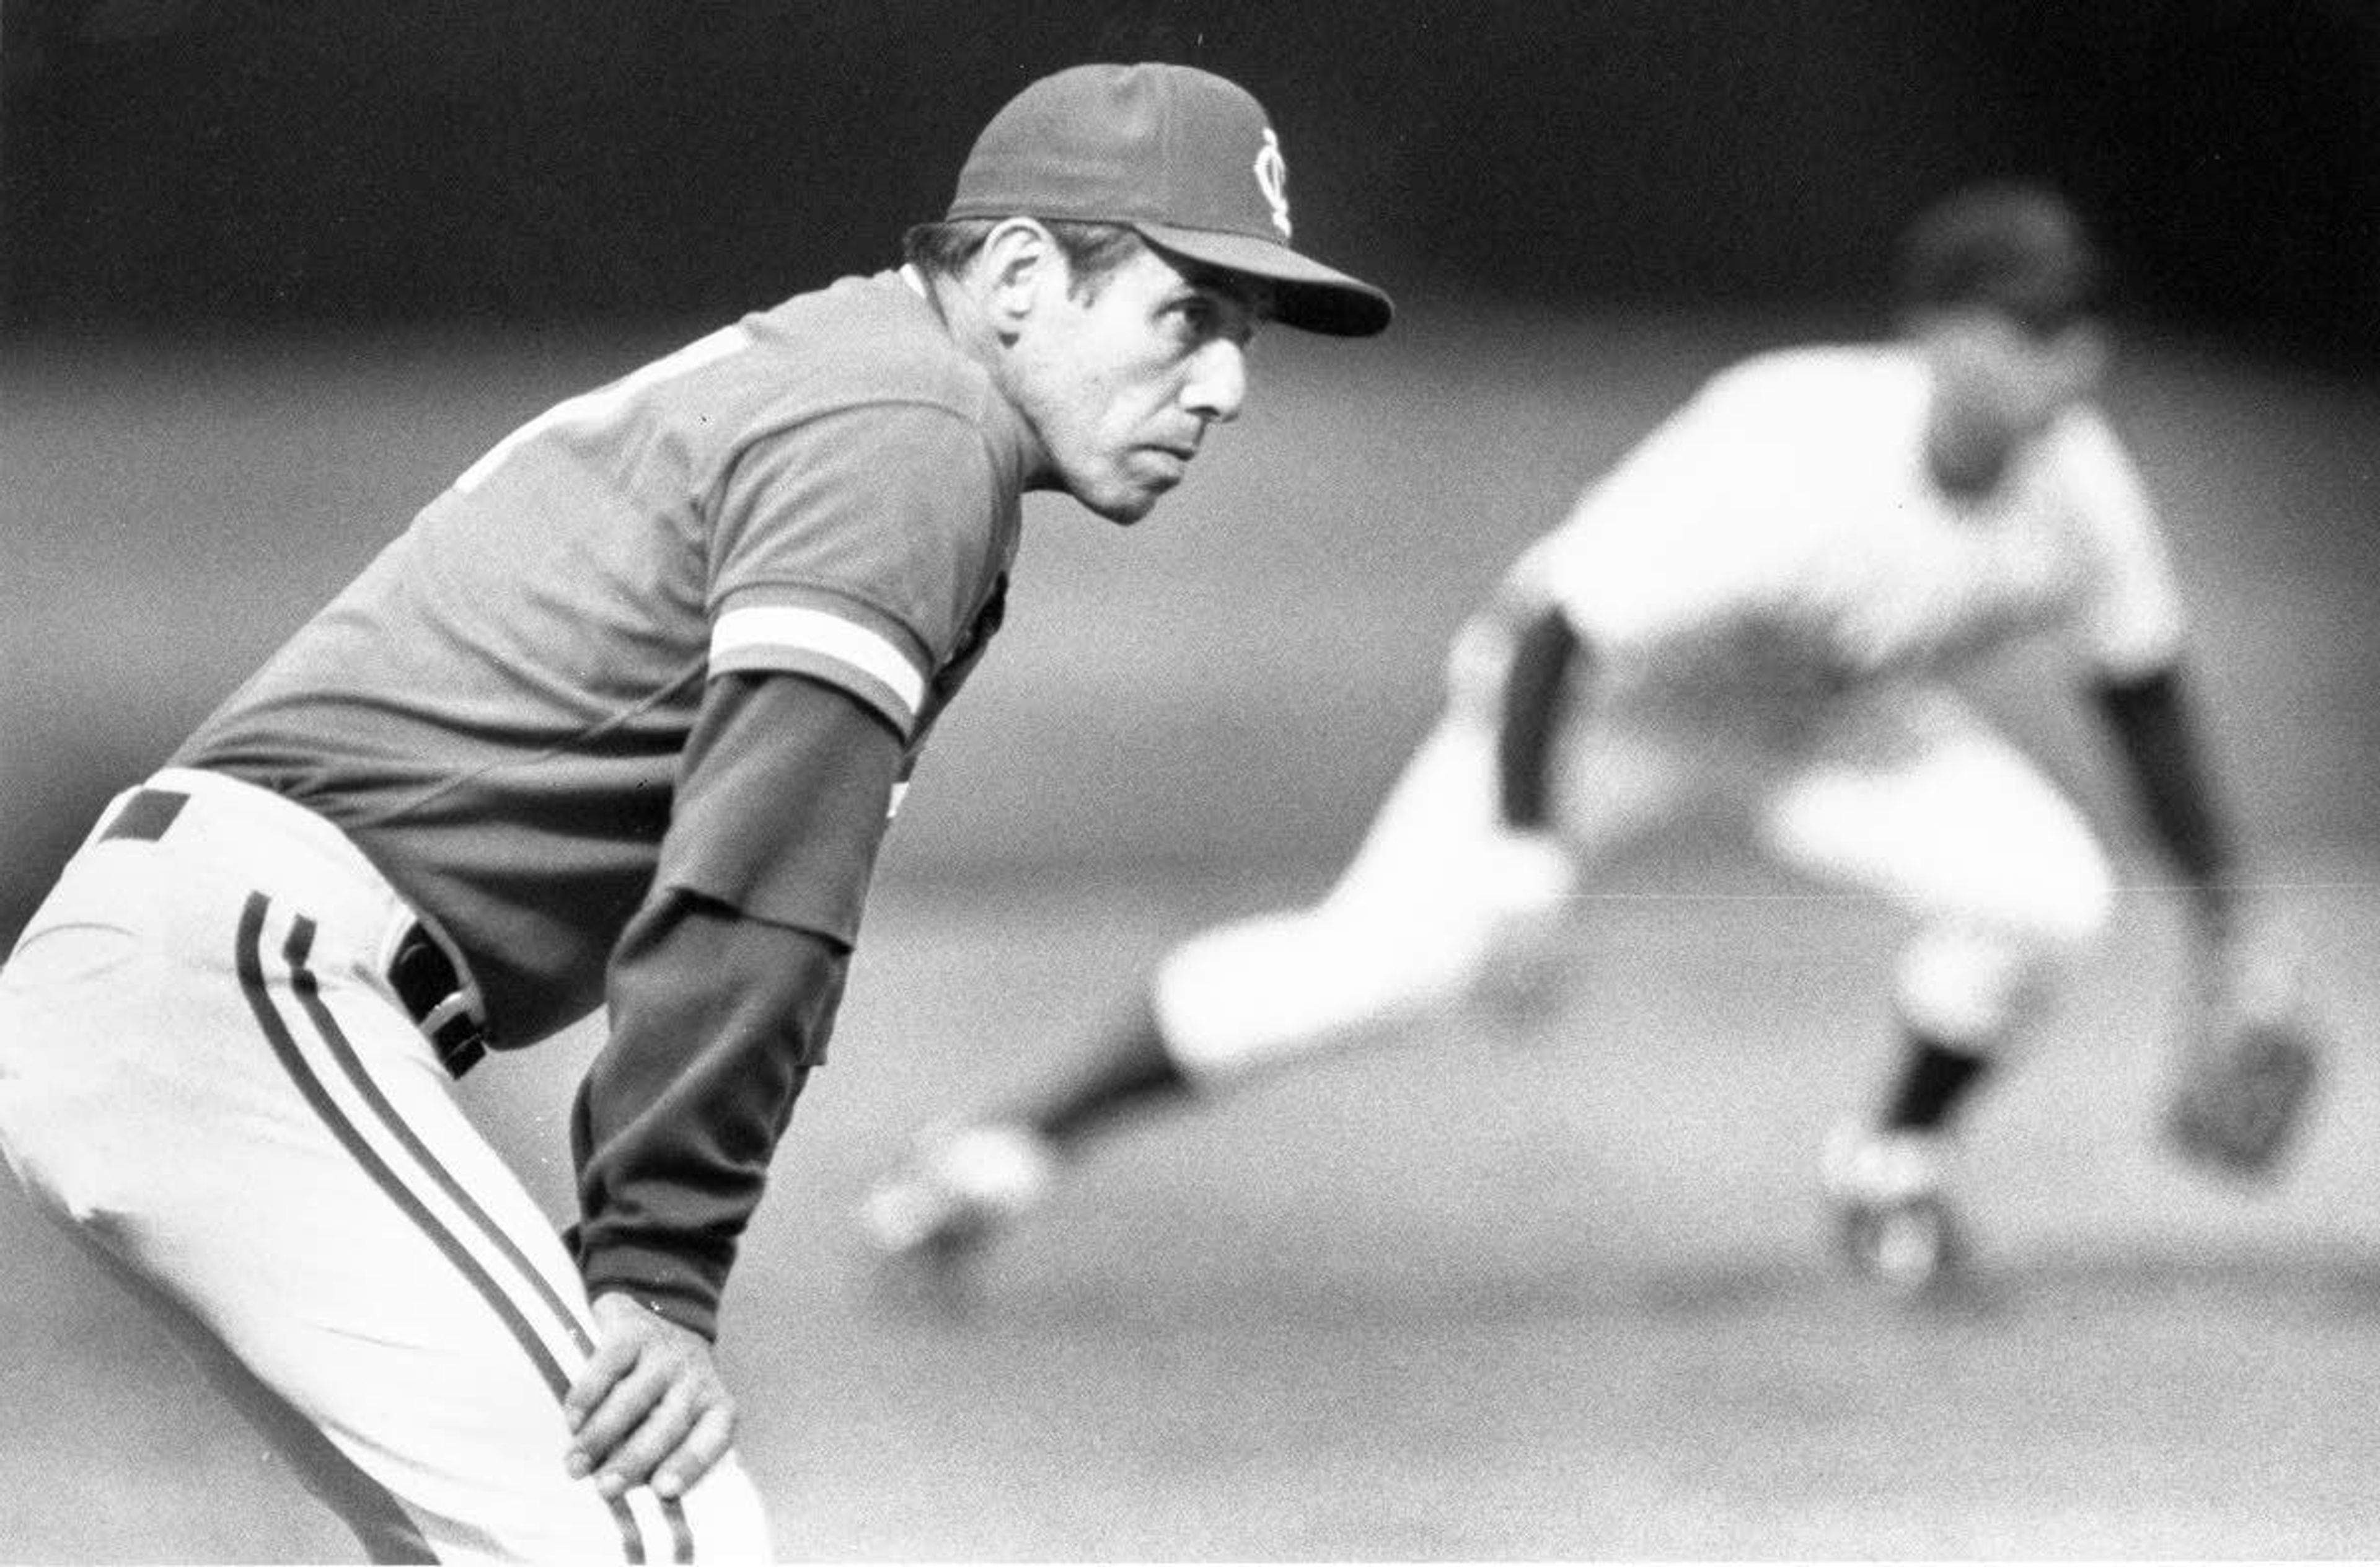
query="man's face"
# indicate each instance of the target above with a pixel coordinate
(1121, 386)
(2007, 380)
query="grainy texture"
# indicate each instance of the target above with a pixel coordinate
(1486, 1298)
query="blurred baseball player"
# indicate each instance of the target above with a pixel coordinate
(1756, 610)
(617, 722)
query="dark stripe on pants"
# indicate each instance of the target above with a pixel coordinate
(251, 964)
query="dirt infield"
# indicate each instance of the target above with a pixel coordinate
(1485, 1297)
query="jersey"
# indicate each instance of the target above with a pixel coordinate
(1780, 538)
(495, 711)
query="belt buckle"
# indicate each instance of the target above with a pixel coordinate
(456, 1033)
(428, 982)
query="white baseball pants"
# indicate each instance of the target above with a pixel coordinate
(206, 1078)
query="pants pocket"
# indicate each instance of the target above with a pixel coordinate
(67, 953)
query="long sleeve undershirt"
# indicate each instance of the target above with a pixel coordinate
(1538, 678)
(2150, 717)
(723, 992)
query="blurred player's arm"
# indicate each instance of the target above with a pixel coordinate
(1519, 677)
(1543, 668)
(2248, 1054)
(2134, 640)
(1513, 675)
(2153, 721)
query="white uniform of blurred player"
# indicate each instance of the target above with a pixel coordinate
(1757, 610)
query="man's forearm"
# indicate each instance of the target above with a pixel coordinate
(716, 1021)
(1538, 678)
(2155, 733)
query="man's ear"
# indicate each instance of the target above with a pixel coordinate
(1020, 265)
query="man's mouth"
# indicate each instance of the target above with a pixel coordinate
(1174, 461)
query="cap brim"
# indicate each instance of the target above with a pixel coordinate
(1306, 295)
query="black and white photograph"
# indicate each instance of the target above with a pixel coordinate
(1145, 783)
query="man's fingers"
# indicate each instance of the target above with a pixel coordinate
(705, 1445)
(623, 1409)
(652, 1440)
(611, 1362)
(650, 1408)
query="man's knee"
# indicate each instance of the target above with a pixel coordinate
(1976, 985)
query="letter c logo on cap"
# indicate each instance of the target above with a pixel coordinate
(1272, 178)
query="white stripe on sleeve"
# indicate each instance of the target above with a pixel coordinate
(798, 631)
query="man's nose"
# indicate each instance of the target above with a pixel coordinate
(1217, 381)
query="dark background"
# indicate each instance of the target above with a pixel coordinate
(197, 162)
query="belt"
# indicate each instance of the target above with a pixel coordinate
(423, 977)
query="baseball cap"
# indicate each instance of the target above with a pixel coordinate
(1181, 156)
(2013, 246)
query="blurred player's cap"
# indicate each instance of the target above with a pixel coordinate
(2008, 245)
(1181, 156)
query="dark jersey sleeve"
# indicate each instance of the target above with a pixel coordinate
(724, 988)
(2153, 721)
(782, 801)
(1538, 682)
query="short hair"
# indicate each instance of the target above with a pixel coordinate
(2008, 245)
(1093, 251)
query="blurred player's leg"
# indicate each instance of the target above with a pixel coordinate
(1432, 920)
(1925, 804)
(1245, 997)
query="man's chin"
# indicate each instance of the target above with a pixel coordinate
(1124, 507)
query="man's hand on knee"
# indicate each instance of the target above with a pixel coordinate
(650, 1408)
